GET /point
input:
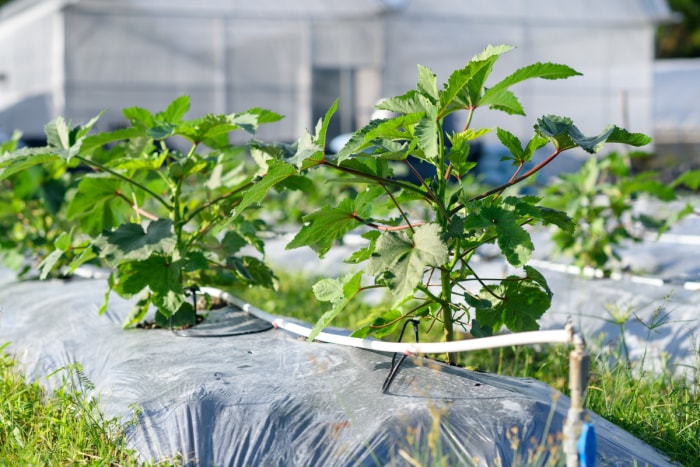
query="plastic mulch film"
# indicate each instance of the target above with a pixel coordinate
(270, 398)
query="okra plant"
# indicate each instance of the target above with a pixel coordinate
(31, 203)
(153, 202)
(600, 197)
(427, 262)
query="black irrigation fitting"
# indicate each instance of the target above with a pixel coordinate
(394, 365)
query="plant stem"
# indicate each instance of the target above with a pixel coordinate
(218, 199)
(398, 206)
(380, 180)
(135, 207)
(519, 179)
(126, 179)
(446, 311)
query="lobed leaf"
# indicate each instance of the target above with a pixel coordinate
(160, 274)
(337, 291)
(400, 259)
(562, 132)
(92, 203)
(427, 136)
(130, 242)
(464, 87)
(523, 301)
(408, 103)
(499, 97)
(277, 172)
(511, 142)
(24, 158)
(323, 227)
(175, 111)
(427, 83)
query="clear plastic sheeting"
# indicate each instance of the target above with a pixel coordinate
(270, 398)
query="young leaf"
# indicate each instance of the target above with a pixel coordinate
(511, 142)
(24, 158)
(337, 291)
(251, 119)
(49, 262)
(646, 183)
(460, 90)
(86, 254)
(323, 227)
(257, 272)
(500, 98)
(512, 239)
(410, 102)
(277, 172)
(139, 311)
(492, 51)
(58, 134)
(139, 117)
(620, 135)
(427, 83)
(401, 259)
(175, 111)
(93, 142)
(690, 179)
(363, 254)
(427, 134)
(464, 86)
(206, 128)
(559, 218)
(161, 131)
(308, 153)
(535, 143)
(359, 141)
(322, 126)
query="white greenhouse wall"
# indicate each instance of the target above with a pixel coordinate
(31, 63)
(78, 58)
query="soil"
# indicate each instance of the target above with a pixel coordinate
(214, 303)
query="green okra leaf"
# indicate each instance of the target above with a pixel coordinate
(323, 227)
(130, 241)
(564, 135)
(400, 258)
(337, 291)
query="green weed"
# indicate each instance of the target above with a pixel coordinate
(61, 428)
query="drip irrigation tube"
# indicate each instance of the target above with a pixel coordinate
(558, 336)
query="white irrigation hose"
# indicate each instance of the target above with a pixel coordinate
(560, 336)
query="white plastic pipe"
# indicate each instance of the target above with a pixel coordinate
(559, 336)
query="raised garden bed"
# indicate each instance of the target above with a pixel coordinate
(270, 398)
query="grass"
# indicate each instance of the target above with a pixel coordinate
(63, 428)
(662, 408)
